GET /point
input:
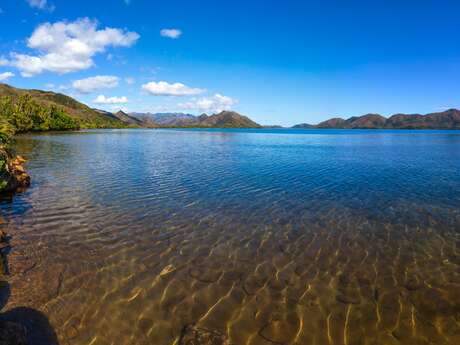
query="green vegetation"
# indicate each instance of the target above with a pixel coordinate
(6, 131)
(59, 109)
(23, 114)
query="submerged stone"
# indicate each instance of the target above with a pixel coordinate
(12, 333)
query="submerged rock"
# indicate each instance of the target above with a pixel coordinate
(12, 333)
(193, 335)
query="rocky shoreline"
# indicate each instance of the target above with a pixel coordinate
(13, 177)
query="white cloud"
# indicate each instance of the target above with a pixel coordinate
(41, 5)
(130, 80)
(3, 62)
(216, 103)
(5, 76)
(163, 88)
(65, 47)
(92, 84)
(101, 99)
(37, 3)
(171, 33)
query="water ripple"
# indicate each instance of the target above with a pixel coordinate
(126, 237)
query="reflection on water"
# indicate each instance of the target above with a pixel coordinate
(262, 237)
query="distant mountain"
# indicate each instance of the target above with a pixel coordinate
(130, 120)
(303, 126)
(105, 113)
(365, 121)
(336, 122)
(449, 119)
(225, 119)
(86, 116)
(165, 119)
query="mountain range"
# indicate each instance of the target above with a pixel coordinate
(87, 117)
(449, 119)
(164, 119)
(224, 119)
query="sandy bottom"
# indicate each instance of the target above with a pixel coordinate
(334, 279)
(129, 237)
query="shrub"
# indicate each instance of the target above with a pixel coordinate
(23, 114)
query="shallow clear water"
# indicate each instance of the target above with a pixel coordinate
(266, 236)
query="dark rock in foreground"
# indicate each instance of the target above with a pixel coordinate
(12, 333)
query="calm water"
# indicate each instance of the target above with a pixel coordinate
(268, 237)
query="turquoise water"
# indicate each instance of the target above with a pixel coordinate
(265, 236)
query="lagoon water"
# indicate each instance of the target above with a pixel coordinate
(265, 236)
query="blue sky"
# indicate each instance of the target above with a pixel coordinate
(279, 62)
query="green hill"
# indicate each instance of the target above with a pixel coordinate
(449, 119)
(224, 119)
(29, 110)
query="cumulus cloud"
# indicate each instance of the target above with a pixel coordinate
(65, 47)
(163, 88)
(215, 104)
(92, 84)
(6, 75)
(41, 4)
(101, 99)
(171, 33)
